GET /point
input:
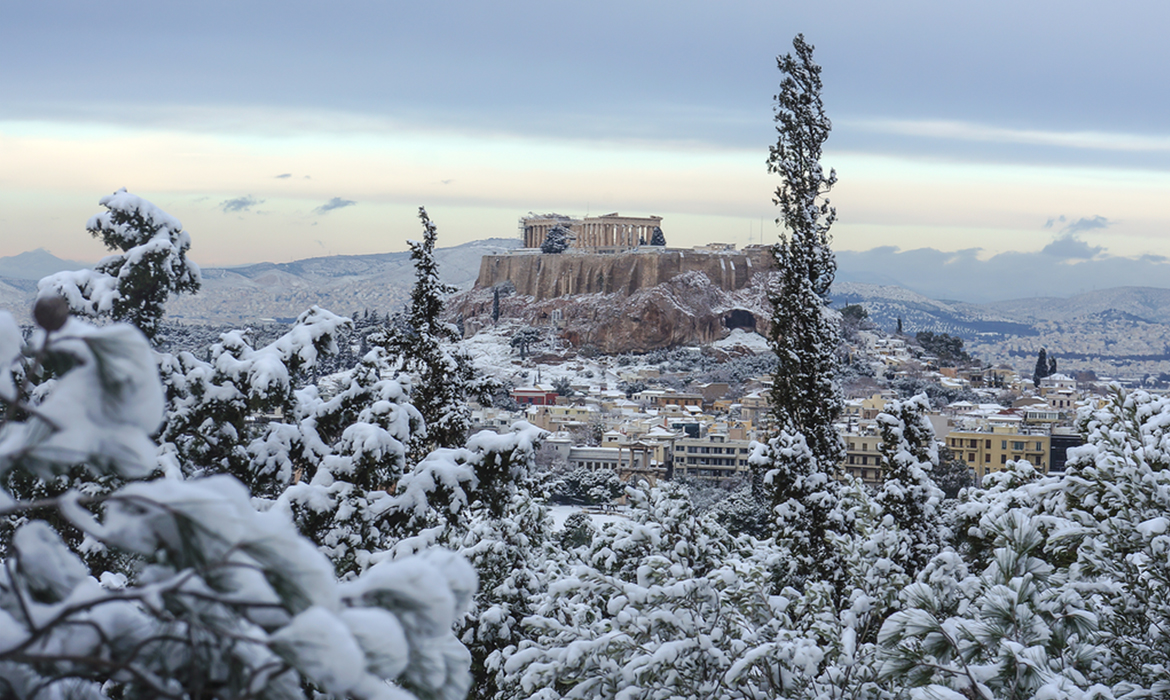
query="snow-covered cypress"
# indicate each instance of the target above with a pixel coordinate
(805, 397)
(658, 237)
(443, 376)
(909, 453)
(134, 284)
(803, 502)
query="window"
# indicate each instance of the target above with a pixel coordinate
(1003, 445)
(987, 459)
(972, 444)
(970, 456)
(1018, 446)
(989, 444)
(1039, 446)
(1003, 459)
(851, 459)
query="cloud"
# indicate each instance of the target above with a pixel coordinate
(1051, 222)
(284, 176)
(1087, 224)
(1069, 247)
(335, 203)
(1065, 267)
(239, 204)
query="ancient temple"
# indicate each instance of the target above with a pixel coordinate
(611, 233)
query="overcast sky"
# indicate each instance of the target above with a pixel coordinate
(284, 130)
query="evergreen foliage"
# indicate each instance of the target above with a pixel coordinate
(586, 487)
(557, 241)
(1042, 366)
(953, 474)
(134, 284)
(854, 313)
(947, 348)
(443, 378)
(789, 483)
(226, 601)
(909, 454)
(804, 397)
(525, 338)
(658, 237)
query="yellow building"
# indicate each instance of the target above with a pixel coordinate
(990, 450)
(863, 459)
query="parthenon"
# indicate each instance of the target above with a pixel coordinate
(610, 233)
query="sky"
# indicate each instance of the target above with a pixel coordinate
(1008, 145)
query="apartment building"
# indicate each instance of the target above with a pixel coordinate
(990, 450)
(714, 456)
(863, 458)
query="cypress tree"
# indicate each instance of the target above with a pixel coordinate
(805, 397)
(1041, 370)
(444, 379)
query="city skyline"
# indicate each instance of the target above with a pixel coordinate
(278, 132)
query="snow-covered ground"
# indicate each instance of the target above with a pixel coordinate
(741, 338)
(492, 353)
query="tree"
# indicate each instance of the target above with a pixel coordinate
(135, 284)
(953, 473)
(658, 238)
(899, 330)
(495, 304)
(1041, 370)
(563, 386)
(948, 348)
(909, 454)
(805, 398)
(557, 240)
(525, 338)
(660, 605)
(227, 602)
(854, 313)
(443, 376)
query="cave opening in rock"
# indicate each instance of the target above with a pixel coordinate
(740, 318)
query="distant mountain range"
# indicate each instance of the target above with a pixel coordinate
(280, 291)
(1124, 330)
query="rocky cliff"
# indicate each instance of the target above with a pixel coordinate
(631, 302)
(552, 276)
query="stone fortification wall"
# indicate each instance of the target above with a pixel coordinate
(552, 276)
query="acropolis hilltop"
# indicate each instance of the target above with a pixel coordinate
(611, 233)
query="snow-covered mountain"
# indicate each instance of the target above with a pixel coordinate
(1124, 330)
(239, 295)
(35, 264)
